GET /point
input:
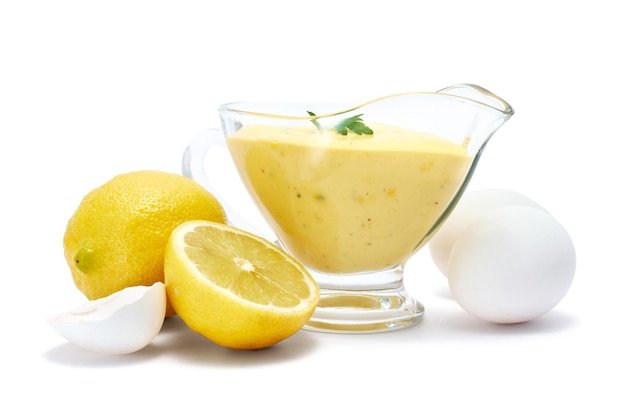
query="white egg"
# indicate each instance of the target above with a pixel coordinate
(121, 323)
(472, 205)
(512, 265)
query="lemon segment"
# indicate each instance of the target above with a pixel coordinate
(235, 288)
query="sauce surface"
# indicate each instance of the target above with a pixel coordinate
(347, 204)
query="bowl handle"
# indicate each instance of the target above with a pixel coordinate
(193, 167)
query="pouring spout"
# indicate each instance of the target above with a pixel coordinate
(481, 96)
(478, 112)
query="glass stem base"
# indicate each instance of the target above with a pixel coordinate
(365, 303)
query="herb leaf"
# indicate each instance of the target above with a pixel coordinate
(354, 124)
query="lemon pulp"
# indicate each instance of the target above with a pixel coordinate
(237, 289)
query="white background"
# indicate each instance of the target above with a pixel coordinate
(89, 90)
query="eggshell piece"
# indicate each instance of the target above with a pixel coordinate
(121, 323)
(473, 205)
(512, 265)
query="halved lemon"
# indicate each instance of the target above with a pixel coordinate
(235, 288)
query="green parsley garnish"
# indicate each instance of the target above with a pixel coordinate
(314, 120)
(354, 124)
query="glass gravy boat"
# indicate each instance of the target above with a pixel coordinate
(354, 191)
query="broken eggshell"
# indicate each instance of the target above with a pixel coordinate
(121, 323)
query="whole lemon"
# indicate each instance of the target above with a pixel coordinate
(118, 234)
